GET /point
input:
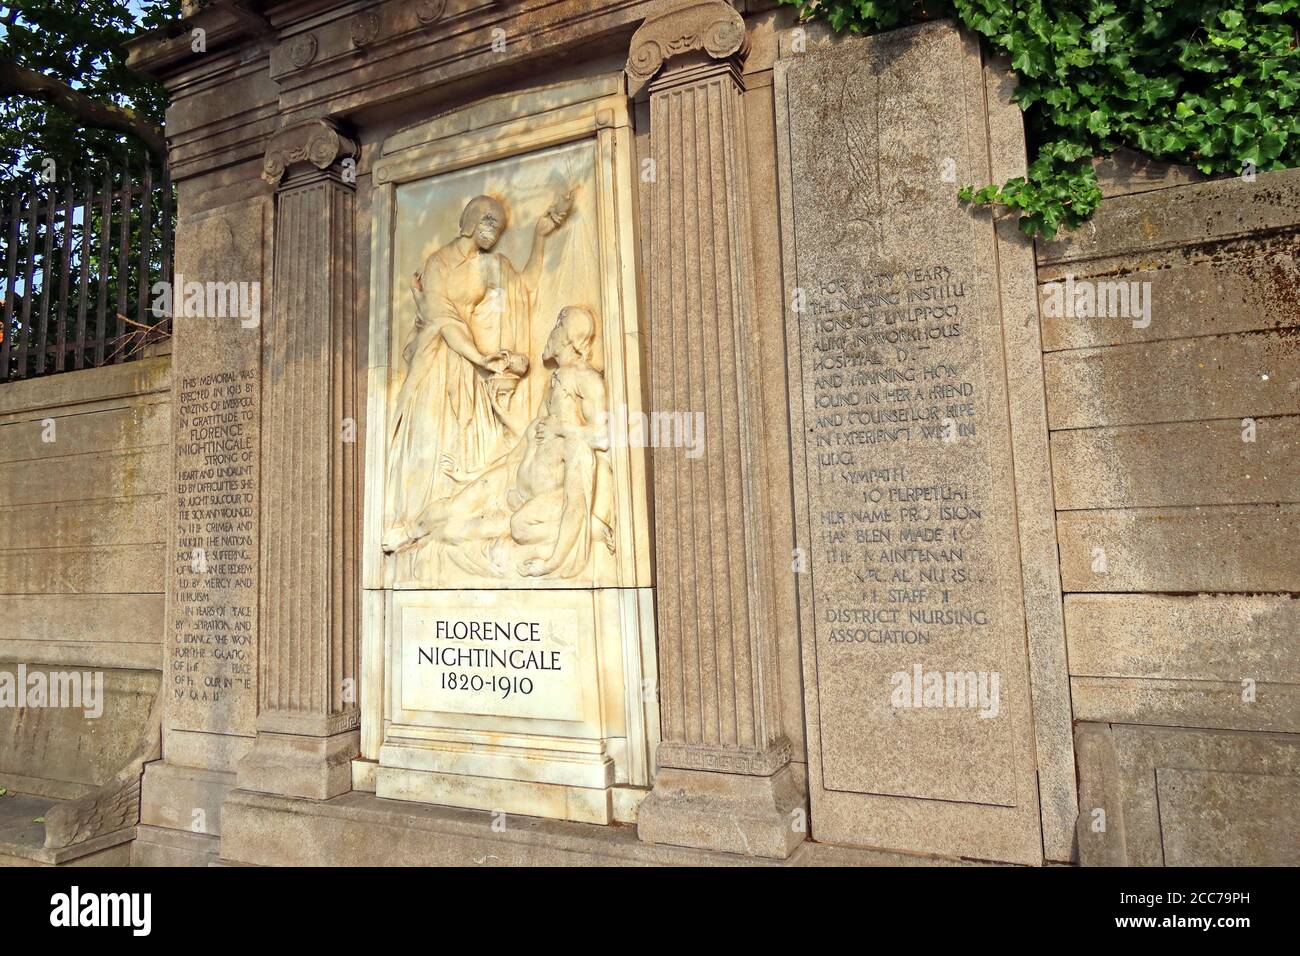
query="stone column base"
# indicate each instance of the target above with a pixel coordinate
(727, 812)
(293, 765)
(161, 846)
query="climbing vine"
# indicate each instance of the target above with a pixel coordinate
(1193, 82)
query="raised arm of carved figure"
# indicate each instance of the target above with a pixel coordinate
(551, 220)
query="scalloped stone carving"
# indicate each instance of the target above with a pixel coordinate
(364, 28)
(430, 11)
(302, 49)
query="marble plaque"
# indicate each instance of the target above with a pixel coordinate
(507, 526)
(460, 655)
(914, 615)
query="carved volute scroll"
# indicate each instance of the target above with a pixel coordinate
(709, 25)
(318, 142)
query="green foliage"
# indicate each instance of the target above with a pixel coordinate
(1195, 82)
(82, 42)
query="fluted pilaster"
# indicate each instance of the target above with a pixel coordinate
(307, 723)
(723, 758)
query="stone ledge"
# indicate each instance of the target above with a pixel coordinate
(162, 846)
(359, 829)
(22, 839)
(128, 380)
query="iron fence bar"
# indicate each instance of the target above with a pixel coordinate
(87, 207)
(11, 268)
(146, 242)
(123, 262)
(47, 286)
(61, 329)
(105, 244)
(29, 272)
(49, 254)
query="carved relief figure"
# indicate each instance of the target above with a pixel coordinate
(536, 512)
(463, 359)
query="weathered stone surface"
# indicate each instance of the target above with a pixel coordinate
(184, 798)
(1231, 548)
(721, 689)
(161, 846)
(769, 323)
(83, 457)
(96, 618)
(212, 592)
(131, 425)
(359, 830)
(307, 714)
(96, 387)
(124, 472)
(1240, 285)
(1101, 805)
(1229, 705)
(1221, 376)
(1035, 510)
(732, 813)
(1166, 485)
(1208, 637)
(104, 569)
(60, 751)
(139, 520)
(22, 838)
(1124, 765)
(1221, 462)
(1218, 210)
(1228, 819)
(1127, 171)
(900, 387)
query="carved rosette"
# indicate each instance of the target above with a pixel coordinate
(364, 28)
(709, 25)
(302, 50)
(318, 142)
(430, 11)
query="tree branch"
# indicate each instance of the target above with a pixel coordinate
(15, 79)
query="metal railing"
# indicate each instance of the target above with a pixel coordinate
(78, 263)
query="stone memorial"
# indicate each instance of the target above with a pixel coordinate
(599, 433)
(507, 551)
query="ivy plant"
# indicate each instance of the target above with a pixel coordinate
(1210, 84)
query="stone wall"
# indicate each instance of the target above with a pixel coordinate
(83, 466)
(1173, 449)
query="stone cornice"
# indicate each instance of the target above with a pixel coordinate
(318, 142)
(713, 26)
